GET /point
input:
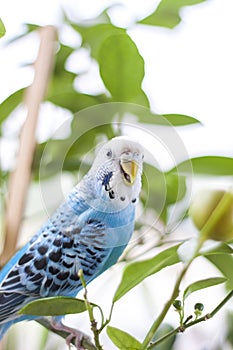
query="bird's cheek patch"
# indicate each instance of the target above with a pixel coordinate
(107, 178)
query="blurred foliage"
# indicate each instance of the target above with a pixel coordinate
(167, 344)
(167, 14)
(230, 330)
(122, 69)
(2, 28)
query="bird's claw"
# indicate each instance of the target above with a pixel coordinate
(79, 337)
(74, 334)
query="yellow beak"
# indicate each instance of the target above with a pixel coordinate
(129, 169)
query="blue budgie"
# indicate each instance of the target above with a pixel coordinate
(89, 231)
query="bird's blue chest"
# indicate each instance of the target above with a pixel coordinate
(118, 226)
(118, 221)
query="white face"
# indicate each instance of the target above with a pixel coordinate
(118, 166)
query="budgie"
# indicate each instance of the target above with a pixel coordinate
(89, 231)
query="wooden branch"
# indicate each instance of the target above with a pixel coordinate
(85, 343)
(20, 178)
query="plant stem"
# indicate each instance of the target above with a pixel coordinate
(168, 304)
(190, 324)
(166, 307)
(89, 308)
(204, 234)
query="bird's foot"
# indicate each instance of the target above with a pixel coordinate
(75, 336)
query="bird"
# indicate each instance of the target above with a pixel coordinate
(89, 231)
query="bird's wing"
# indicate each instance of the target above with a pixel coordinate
(50, 264)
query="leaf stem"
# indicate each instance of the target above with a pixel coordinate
(104, 324)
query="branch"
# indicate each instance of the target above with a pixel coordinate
(20, 178)
(190, 324)
(203, 235)
(166, 307)
(85, 343)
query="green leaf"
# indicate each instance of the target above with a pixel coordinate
(121, 67)
(208, 165)
(176, 188)
(138, 271)
(122, 339)
(62, 80)
(224, 262)
(159, 190)
(61, 57)
(140, 99)
(146, 116)
(202, 284)
(8, 105)
(167, 13)
(153, 194)
(28, 29)
(93, 36)
(2, 29)
(54, 306)
(74, 101)
(56, 155)
(149, 117)
(180, 119)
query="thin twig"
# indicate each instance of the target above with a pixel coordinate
(190, 324)
(20, 178)
(89, 308)
(107, 321)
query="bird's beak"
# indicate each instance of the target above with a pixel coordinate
(129, 169)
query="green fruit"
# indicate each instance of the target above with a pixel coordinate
(203, 208)
(199, 307)
(177, 304)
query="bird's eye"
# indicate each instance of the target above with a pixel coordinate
(109, 154)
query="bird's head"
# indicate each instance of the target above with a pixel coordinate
(117, 170)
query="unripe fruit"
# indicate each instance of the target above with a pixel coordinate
(199, 307)
(177, 304)
(202, 210)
